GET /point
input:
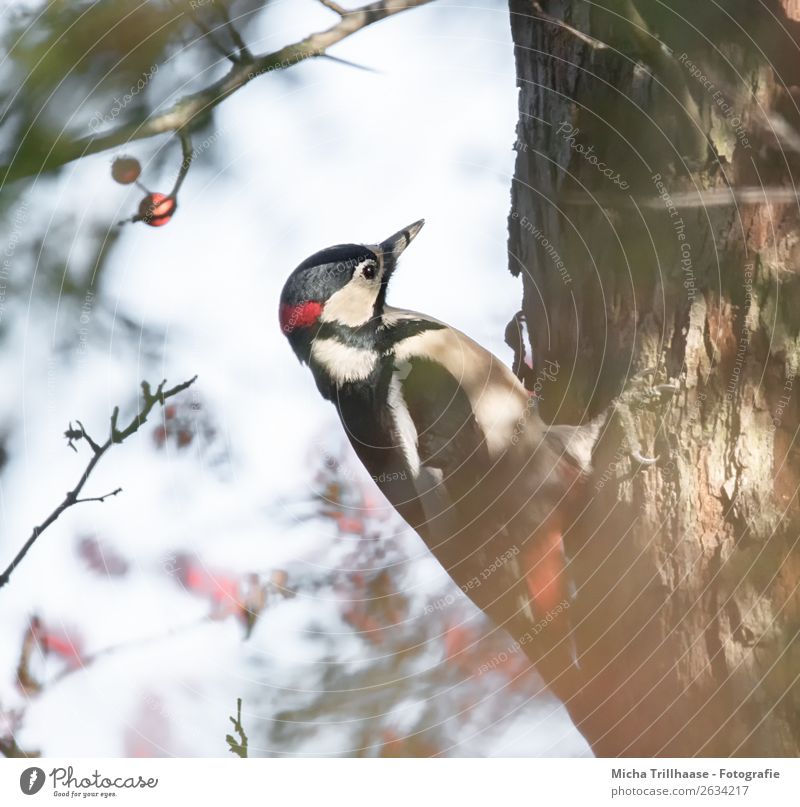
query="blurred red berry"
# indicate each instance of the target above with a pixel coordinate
(184, 438)
(457, 642)
(170, 411)
(350, 524)
(159, 436)
(126, 170)
(102, 558)
(62, 645)
(156, 209)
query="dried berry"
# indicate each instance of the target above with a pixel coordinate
(126, 170)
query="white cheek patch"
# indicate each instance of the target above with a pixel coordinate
(343, 363)
(354, 305)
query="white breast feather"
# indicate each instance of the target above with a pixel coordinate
(343, 363)
(404, 425)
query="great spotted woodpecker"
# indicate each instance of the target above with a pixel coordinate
(452, 438)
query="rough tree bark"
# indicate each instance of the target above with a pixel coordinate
(681, 253)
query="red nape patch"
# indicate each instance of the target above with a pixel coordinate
(299, 316)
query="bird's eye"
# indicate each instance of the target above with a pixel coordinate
(369, 271)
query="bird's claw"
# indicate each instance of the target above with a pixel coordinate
(651, 395)
(633, 400)
(637, 456)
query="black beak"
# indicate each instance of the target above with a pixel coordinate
(394, 245)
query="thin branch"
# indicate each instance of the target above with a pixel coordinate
(10, 749)
(123, 647)
(348, 63)
(209, 34)
(99, 498)
(334, 7)
(116, 435)
(188, 155)
(32, 687)
(198, 105)
(238, 748)
(212, 39)
(85, 436)
(244, 51)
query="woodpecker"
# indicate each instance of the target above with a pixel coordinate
(452, 438)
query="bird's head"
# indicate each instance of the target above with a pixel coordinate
(345, 285)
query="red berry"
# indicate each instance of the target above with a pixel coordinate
(159, 436)
(126, 170)
(156, 209)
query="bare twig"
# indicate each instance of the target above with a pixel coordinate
(209, 34)
(33, 687)
(238, 748)
(85, 436)
(10, 749)
(188, 155)
(244, 51)
(124, 647)
(99, 498)
(116, 435)
(211, 37)
(348, 63)
(334, 7)
(30, 642)
(198, 105)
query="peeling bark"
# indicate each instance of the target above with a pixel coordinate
(683, 256)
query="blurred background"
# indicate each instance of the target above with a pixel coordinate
(248, 556)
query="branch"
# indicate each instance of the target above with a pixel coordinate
(99, 498)
(112, 650)
(10, 749)
(211, 35)
(348, 63)
(240, 748)
(116, 435)
(244, 51)
(192, 108)
(187, 152)
(334, 7)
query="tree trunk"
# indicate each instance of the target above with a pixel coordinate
(655, 224)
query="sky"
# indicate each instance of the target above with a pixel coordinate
(324, 154)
